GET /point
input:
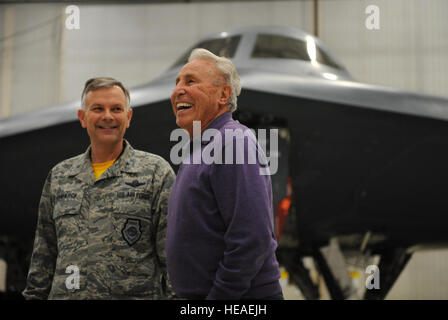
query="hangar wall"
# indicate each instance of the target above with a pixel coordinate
(408, 51)
(29, 57)
(133, 43)
(43, 64)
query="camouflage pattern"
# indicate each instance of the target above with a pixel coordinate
(113, 229)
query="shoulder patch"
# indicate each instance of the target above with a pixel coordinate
(131, 231)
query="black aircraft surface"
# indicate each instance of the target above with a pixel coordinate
(362, 169)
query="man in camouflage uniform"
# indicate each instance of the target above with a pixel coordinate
(103, 238)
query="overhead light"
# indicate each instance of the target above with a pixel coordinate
(224, 34)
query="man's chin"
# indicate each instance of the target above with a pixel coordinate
(188, 128)
(184, 124)
(108, 140)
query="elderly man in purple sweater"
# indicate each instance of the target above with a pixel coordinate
(220, 238)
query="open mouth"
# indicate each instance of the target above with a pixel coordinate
(183, 106)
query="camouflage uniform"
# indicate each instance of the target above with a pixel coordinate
(112, 230)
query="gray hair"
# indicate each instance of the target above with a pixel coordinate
(227, 69)
(103, 82)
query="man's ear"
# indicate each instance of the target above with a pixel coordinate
(226, 93)
(82, 117)
(129, 116)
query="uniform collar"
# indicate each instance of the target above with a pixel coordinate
(82, 168)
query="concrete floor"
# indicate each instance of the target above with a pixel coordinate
(423, 278)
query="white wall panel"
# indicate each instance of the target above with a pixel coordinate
(35, 57)
(6, 60)
(409, 51)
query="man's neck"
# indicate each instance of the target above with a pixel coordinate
(100, 154)
(204, 126)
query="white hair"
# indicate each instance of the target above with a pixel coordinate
(227, 69)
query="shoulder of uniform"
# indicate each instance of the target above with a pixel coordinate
(64, 167)
(144, 158)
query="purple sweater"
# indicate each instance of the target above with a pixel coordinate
(220, 236)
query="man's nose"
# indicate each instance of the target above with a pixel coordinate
(179, 90)
(107, 114)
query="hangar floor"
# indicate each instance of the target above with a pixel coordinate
(423, 278)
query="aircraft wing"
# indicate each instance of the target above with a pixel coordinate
(346, 92)
(39, 119)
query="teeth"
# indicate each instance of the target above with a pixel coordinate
(183, 105)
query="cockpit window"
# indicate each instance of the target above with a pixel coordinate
(223, 47)
(281, 47)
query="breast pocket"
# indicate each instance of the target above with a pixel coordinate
(68, 224)
(132, 221)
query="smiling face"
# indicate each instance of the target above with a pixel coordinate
(105, 116)
(201, 94)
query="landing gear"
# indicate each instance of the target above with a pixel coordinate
(348, 274)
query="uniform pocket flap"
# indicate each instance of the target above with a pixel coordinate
(67, 203)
